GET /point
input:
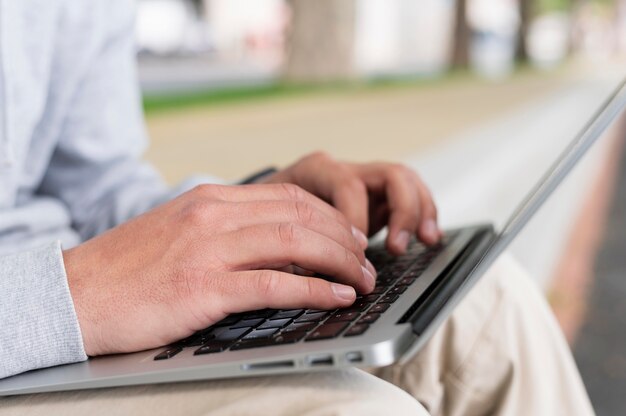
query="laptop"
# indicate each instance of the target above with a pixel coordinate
(414, 294)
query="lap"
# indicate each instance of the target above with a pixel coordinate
(501, 352)
(336, 393)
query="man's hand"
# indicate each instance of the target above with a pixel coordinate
(213, 251)
(371, 196)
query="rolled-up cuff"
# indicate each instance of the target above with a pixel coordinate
(38, 323)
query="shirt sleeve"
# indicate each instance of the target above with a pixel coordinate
(38, 324)
(97, 169)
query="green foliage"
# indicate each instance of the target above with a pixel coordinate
(233, 96)
(546, 6)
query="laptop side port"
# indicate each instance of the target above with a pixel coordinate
(269, 365)
(320, 360)
(354, 357)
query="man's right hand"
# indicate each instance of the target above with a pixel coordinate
(213, 251)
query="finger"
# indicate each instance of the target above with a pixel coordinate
(428, 230)
(258, 289)
(404, 208)
(282, 191)
(349, 195)
(336, 183)
(247, 214)
(271, 246)
(379, 215)
(406, 198)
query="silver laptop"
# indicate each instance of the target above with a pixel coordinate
(414, 295)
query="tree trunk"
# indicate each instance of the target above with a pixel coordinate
(462, 35)
(525, 12)
(320, 41)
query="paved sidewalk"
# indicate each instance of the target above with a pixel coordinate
(600, 348)
(390, 123)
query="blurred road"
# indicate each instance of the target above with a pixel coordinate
(600, 348)
(160, 75)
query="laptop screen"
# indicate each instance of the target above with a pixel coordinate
(568, 158)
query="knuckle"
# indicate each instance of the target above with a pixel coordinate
(293, 191)
(320, 155)
(197, 212)
(354, 184)
(400, 170)
(350, 258)
(202, 190)
(267, 283)
(304, 212)
(286, 234)
(309, 289)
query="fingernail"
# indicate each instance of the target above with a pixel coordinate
(369, 277)
(370, 267)
(430, 229)
(361, 238)
(402, 239)
(343, 292)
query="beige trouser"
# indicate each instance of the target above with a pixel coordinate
(500, 353)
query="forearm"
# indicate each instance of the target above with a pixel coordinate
(38, 324)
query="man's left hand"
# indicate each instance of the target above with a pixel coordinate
(370, 195)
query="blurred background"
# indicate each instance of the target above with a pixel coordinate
(479, 96)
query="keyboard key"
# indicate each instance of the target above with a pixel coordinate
(229, 320)
(288, 337)
(248, 323)
(388, 299)
(300, 326)
(396, 290)
(343, 316)
(398, 269)
(370, 318)
(292, 313)
(261, 333)
(358, 306)
(196, 340)
(378, 290)
(309, 311)
(263, 313)
(371, 298)
(231, 334)
(212, 347)
(355, 330)
(278, 323)
(406, 281)
(312, 317)
(385, 281)
(251, 343)
(327, 331)
(379, 308)
(168, 353)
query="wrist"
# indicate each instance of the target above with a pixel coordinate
(78, 292)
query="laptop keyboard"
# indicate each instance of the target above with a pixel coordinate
(269, 327)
